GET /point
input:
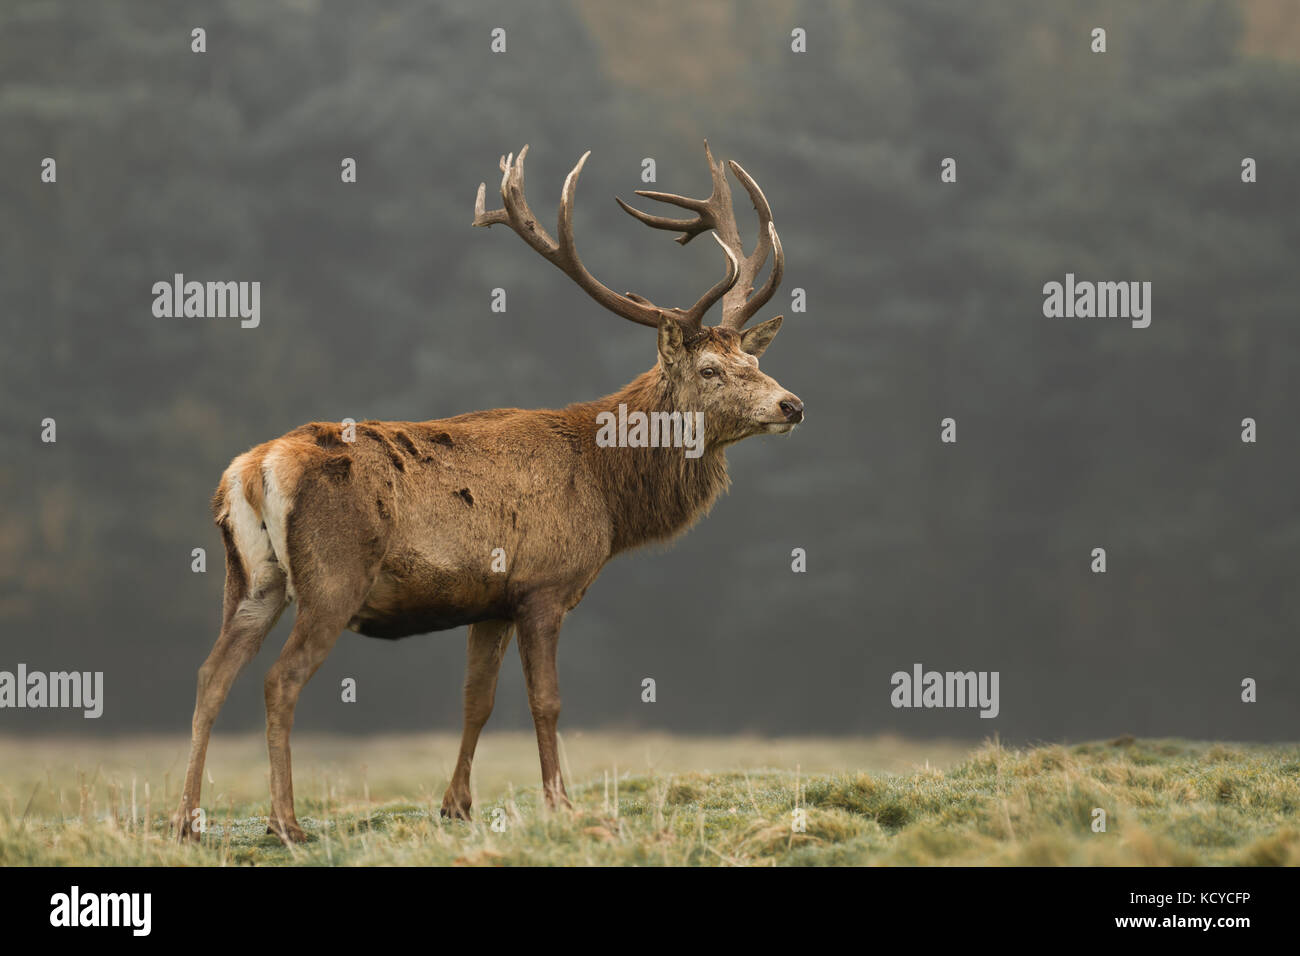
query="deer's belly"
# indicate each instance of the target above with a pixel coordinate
(392, 624)
(413, 595)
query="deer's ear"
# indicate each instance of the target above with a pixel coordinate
(671, 341)
(756, 340)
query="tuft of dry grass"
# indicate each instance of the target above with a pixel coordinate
(691, 801)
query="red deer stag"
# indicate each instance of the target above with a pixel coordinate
(500, 519)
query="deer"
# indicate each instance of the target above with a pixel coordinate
(394, 529)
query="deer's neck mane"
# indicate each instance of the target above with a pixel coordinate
(652, 494)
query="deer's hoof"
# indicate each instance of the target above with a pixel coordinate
(290, 833)
(183, 828)
(455, 810)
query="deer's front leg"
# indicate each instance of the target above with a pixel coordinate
(539, 635)
(487, 649)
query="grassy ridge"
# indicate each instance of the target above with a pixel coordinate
(1166, 802)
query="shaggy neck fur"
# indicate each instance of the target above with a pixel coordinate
(652, 494)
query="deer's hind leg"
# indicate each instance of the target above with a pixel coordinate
(251, 609)
(328, 598)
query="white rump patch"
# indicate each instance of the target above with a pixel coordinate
(252, 540)
(275, 513)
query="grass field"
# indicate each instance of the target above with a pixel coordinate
(653, 800)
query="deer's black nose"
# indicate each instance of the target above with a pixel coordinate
(792, 409)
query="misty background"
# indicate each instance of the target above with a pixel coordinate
(924, 301)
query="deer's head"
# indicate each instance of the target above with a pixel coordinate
(716, 372)
(710, 369)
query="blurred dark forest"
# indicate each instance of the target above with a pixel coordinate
(924, 301)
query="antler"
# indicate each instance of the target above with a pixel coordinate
(716, 213)
(563, 254)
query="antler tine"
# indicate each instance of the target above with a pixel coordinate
(686, 202)
(740, 306)
(689, 228)
(522, 219)
(482, 217)
(640, 310)
(774, 277)
(738, 319)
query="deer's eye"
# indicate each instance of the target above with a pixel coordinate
(708, 372)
